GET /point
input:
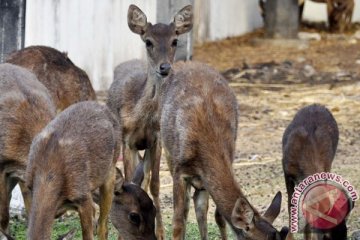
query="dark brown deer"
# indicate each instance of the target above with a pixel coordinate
(66, 82)
(134, 96)
(25, 109)
(198, 132)
(339, 12)
(132, 212)
(70, 158)
(309, 146)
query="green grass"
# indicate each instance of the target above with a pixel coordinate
(64, 225)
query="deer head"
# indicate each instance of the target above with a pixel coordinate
(160, 39)
(255, 226)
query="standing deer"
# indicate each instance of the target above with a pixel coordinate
(134, 96)
(309, 146)
(198, 131)
(25, 109)
(70, 158)
(339, 12)
(66, 82)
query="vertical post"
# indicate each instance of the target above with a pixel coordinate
(12, 26)
(165, 12)
(281, 19)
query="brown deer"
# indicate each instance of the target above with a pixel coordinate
(339, 12)
(132, 212)
(70, 158)
(134, 96)
(198, 132)
(66, 82)
(309, 146)
(25, 109)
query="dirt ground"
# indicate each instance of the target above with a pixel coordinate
(272, 83)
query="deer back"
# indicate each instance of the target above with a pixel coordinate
(66, 82)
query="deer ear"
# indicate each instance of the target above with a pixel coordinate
(274, 209)
(183, 20)
(119, 182)
(136, 20)
(138, 177)
(242, 214)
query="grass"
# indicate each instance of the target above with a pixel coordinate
(64, 225)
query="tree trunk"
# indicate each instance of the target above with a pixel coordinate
(12, 30)
(281, 19)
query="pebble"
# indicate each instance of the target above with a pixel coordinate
(309, 36)
(309, 70)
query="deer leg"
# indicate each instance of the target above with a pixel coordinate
(201, 203)
(106, 197)
(86, 214)
(220, 221)
(155, 153)
(26, 196)
(181, 206)
(4, 203)
(290, 185)
(130, 160)
(146, 168)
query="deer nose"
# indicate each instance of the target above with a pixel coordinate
(165, 69)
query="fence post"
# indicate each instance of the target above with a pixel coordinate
(281, 18)
(165, 12)
(12, 30)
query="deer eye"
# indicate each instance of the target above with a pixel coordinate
(134, 218)
(174, 43)
(149, 44)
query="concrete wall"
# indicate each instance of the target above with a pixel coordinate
(96, 36)
(220, 19)
(94, 33)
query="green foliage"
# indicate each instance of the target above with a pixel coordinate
(65, 224)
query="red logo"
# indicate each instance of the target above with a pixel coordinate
(324, 206)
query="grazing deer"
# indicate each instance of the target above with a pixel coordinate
(198, 131)
(25, 109)
(339, 12)
(309, 146)
(134, 96)
(66, 82)
(70, 158)
(132, 212)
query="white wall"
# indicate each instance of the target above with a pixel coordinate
(96, 36)
(94, 33)
(233, 17)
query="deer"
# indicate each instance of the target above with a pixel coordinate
(67, 83)
(69, 159)
(133, 212)
(198, 126)
(309, 145)
(25, 109)
(339, 12)
(135, 92)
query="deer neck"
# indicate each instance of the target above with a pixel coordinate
(218, 175)
(151, 94)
